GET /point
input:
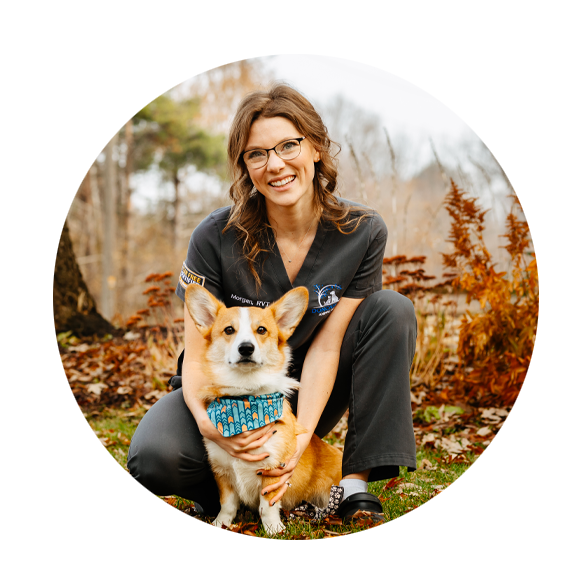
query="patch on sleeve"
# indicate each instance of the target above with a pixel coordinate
(187, 276)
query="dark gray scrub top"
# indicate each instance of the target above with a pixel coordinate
(337, 265)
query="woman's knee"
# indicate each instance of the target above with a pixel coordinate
(392, 309)
(167, 447)
(153, 464)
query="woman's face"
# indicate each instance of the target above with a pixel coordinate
(298, 173)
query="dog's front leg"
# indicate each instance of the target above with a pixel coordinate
(229, 502)
(270, 514)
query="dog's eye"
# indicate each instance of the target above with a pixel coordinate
(229, 330)
(261, 330)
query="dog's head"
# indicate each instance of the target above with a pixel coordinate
(245, 343)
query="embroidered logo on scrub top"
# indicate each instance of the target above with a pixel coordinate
(188, 276)
(327, 298)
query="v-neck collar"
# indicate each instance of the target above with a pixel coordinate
(278, 266)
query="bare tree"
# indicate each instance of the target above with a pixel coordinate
(221, 89)
(125, 208)
(109, 229)
(358, 170)
(74, 308)
(394, 189)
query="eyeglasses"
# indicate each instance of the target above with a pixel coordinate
(286, 150)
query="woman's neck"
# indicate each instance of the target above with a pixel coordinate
(292, 223)
(294, 231)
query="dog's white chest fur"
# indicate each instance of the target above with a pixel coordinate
(243, 474)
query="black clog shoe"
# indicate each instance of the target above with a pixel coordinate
(361, 502)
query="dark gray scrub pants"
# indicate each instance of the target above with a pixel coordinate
(167, 454)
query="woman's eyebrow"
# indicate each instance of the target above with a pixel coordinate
(247, 148)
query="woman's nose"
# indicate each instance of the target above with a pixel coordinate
(274, 162)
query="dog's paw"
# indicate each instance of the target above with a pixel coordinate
(273, 529)
(221, 521)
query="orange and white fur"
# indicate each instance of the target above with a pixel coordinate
(247, 354)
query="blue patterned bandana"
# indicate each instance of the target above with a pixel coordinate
(233, 415)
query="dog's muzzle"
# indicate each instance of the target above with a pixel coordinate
(246, 349)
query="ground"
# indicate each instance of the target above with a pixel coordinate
(449, 441)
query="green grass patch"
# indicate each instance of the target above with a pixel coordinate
(436, 471)
(115, 428)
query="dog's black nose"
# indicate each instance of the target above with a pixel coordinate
(246, 349)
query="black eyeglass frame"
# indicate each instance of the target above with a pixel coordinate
(300, 139)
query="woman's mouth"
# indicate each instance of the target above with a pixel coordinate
(281, 182)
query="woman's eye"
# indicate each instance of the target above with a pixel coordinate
(261, 330)
(288, 146)
(254, 155)
(229, 330)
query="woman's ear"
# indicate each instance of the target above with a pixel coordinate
(316, 156)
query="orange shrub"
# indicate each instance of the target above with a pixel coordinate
(495, 345)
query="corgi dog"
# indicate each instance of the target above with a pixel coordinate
(247, 354)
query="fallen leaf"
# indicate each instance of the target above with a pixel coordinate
(409, 486)
(427, 465)
(391, 484)
(80, 348)
(333, 521)
(428, 438)
(450, 446)
(484, 431)
(335, 533)
(96, 388)
(123, 438)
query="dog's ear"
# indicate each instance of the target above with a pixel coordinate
(289, 310)
(202, 306)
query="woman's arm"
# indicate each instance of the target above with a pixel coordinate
(192, 380)
(321, 364)
(318, 376)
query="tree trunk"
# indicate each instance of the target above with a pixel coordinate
(109, 219)
(176, 202)
(73, 306)
(124, 212)
(95, 220)
(394, 186)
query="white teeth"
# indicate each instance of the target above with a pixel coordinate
(282, 182)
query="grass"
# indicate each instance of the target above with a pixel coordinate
(436, 471)
(115, 428)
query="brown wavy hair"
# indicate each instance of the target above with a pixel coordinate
(248, 214)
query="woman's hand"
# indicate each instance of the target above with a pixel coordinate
(239, 445)
(284, 473)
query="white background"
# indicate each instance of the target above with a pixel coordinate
(73, 73)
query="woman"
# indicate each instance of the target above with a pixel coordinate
(353, 348)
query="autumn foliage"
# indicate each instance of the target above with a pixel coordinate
(133, 369)
(478, 360)
(487, 365)
(495, 345)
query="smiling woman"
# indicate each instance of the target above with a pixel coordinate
(285, 181)
(353, 347)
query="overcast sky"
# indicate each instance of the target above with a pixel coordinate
(403, 107)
